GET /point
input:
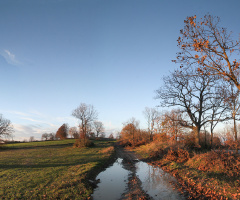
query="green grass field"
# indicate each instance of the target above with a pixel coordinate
(49, 170)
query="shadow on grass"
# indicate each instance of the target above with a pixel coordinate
(49, 165)
(5, 148)
(223, 176)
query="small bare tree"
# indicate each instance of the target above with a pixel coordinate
(86, 115)
(51, 136)
(6, 128)
(151, 114)
(99, 128)
(45, 136)
(73, 132)
(31, 139)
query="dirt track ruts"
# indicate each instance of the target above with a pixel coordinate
(134, 190)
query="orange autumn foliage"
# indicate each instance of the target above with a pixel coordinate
(222, 162)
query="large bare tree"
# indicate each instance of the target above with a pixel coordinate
(6, 128)
(206, 45)
(86, 115)
(190, 93)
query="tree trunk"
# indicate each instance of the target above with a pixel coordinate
(211, 142)
(235, 133)
(197, 136)
(151, 136)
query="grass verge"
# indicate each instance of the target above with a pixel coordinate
(51, 169)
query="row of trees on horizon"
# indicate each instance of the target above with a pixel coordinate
(96, 129)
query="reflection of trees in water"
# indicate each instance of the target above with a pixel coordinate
(154, 178)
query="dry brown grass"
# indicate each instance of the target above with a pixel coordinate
(217, 161)
(107, 150)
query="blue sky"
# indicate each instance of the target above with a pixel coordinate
(56, 54)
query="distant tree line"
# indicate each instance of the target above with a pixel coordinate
(88, 127)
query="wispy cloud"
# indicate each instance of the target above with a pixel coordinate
(18, 113)
(32, 120)
(35, 123)
(10, 57)
(37, 113)
(25, 131)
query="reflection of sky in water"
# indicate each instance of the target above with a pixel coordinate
(113, 182)
(156, 182)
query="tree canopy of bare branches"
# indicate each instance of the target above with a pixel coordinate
(206, 45)
(73, 132)
(151, 114)
(99, 128)
(191, 93)
(86, 115)
(6, 128)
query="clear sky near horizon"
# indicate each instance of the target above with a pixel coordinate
(56, 54)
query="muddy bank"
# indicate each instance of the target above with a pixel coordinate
(130, 178)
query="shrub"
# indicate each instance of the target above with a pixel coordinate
(231, 144)
(163, 137)
(189, 142)
(157, 154)
(183, 155)
(217, 161)
(81, 143)
(179, 155)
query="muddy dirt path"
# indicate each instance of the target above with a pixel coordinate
(134, 190)
(134, 179)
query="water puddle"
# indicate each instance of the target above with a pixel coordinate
(113, 182)
(156, 182)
